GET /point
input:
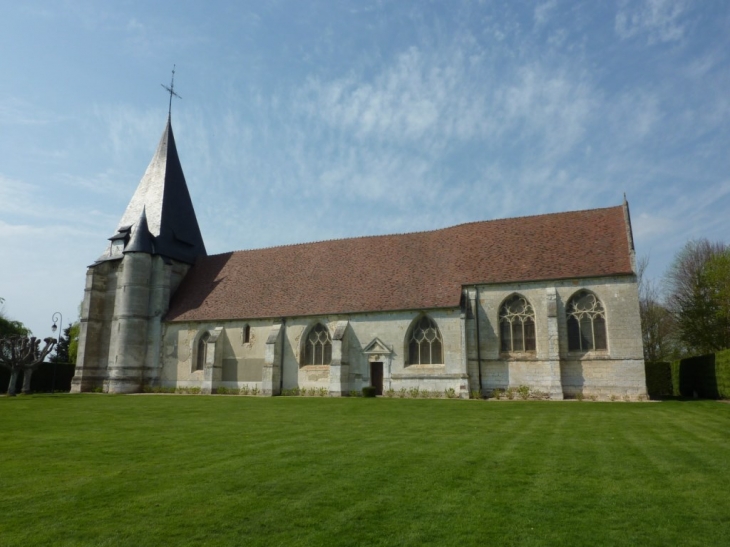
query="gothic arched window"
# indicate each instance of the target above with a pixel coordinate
(202, 351)
(516, 325)
(586, 322)
(425, 346)
(318, 346)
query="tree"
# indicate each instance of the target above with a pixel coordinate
(698, 283)
(22, 354)
(717, 280)
(68, 345)
(9, 327)
(658, 328)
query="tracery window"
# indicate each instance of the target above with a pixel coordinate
(517, 325)
(202, 351)
(425, 345)
(586, 322)
(318, 346)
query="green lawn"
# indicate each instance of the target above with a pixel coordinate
(198, 470)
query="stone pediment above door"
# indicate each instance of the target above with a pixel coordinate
(376, 348)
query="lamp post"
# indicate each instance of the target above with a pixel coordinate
(56, 318)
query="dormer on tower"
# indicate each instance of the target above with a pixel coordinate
(128, 288)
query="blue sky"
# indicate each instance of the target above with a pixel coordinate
(302, 121)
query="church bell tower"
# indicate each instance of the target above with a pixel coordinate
(128, 288)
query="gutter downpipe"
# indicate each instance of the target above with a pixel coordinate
(281, 360)
(479, 345)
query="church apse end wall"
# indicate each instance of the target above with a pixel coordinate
(617, 370)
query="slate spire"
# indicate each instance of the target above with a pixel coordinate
(162, 198)
(141, 240)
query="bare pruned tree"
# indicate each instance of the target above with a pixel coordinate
(22, 354)
(658, 328)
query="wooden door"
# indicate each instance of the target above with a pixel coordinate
(376, 377)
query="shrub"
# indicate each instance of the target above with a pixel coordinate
(402, 392)
(450, 393)
(523, 392)
(510, 393)
(497, 393)
(659, 379)
(245, 390)
(413, 392)
(425, 394)
(323, 391)
(226, 391)
(255, 390)
(188, 390)
(580, 396)
(475, 394)
(390, 393)
(157, 389)
(369, 391)
(355, 393)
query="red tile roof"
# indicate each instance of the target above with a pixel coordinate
(405, 271)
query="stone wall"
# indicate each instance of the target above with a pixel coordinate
(358, 340)
(618, 370)
(121, 322)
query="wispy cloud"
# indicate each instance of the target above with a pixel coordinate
(659, 20)
(16, 111)
(543, 12)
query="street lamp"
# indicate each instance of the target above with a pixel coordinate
(56, 318)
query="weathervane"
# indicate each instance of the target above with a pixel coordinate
(171, 91)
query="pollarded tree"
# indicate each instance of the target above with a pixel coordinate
(22, 354)
(697, 295)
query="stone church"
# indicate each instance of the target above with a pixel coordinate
(548, 301)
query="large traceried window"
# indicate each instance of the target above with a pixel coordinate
(586, 322)
(202, 351)
(318, 346)
(425, 345)
(516, 325)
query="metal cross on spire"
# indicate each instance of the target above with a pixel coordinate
(171, 91)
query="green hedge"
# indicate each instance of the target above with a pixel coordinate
(706, 376)
(659, 379)
(42, 380)
(722, 371)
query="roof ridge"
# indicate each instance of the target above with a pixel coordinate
(353, 238)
